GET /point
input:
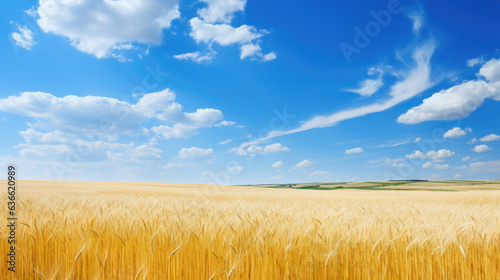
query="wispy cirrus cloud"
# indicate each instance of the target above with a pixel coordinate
(415, 80)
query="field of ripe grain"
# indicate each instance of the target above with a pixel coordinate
(91, 230)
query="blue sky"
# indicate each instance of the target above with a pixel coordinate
(246, 92)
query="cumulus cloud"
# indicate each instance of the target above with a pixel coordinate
(354, 151)
(491, 137)
(222, 34)
(32, 136)
(74, 113)
(272, 148)
(24, 37)
(249, 50)
(491, 70)
(456, 132)
(110, 116)
(436, 156)
(213, 26)
(481, 149)
(458, 101)
(427, 165)
(197, 57)
(270, 56)
(176, 131)
(418, 139)
(112, 25)
(466, 158)
(235, 169)
(254, 51)
(278, 164)
(221, 10)
(195, 152)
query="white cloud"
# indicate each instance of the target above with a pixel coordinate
(31, 11)
(205, 30)
(176, 131)
(481, 149)
(414, 81)
(441, 155)
(354, 151)
(454, 133)
(474, 61)
(44, 151)
(436, 156)
(221, 10)
(249, 50)
(197, 57)
(458, 101)
(278, 164)
(491, 70)
(24, 37)
(466, 158)
(225, 123)
(224, 142)
(472, 141)
(270, 56)
(441, 166)
(491, 137)
(171, 165)
(477, 165)
(109, 116)
(427, 165)
(417, 18)
(201, 118)
(275, 148)
(462, 167)
(458, 175)
(399, 164)
(235, 169)
(304, 164)
(103, 27)
(195, 152)
(32, 136)
(417, 154)
(418, 139)
(272, 148)
(71, 113)
(254, 51)
(222, 34)
(368, 87)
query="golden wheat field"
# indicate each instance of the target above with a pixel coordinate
(91, 230)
